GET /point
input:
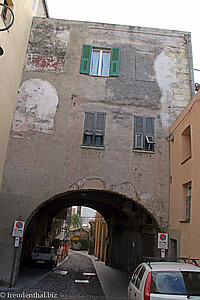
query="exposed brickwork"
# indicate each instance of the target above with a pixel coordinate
(38, 63)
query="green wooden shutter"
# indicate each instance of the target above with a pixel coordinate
(99, 128)
(150, 126)
(89, 123)
(114, 61)
(138, 132)
(100, 124)
(85, 59)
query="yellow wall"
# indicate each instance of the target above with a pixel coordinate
(14, 43)
(182, 172)
(101, 233)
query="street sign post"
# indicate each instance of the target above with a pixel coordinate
(163, 241)
(16, 242)
(18, 229)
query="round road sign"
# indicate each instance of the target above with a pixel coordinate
(163, 237)
(19, 225)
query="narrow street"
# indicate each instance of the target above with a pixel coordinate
(76, 278)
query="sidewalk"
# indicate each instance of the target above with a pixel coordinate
(113, 282)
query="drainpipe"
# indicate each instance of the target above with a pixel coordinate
(189, 44)
(44, 2)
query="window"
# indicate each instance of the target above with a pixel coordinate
(144, 133)
(5, 13)
(186, 202)
(100, 62)
(188, 189)
(133, 279)
(186, 144)
(176, 283)
(94, 128)
(139, 278)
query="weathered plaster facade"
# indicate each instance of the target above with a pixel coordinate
(14, 43)
(46, 158)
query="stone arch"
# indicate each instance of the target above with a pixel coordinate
(131, 227)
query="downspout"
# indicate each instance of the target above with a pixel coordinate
(189, 45)
(46, 10)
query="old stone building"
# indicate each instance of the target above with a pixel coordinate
(91, 128)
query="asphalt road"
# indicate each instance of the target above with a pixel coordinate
(74, 279)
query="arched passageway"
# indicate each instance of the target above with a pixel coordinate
(132, 230)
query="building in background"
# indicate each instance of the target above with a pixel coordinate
(14, 43)
(86, 213)
(185, 178)
(101, 237)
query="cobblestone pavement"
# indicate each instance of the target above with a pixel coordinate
(74, 279)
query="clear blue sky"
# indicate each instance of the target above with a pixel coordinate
(171, 14)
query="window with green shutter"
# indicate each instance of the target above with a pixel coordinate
(114, 61)
(144, 133)
(94, 129)
(85, 59)
(100, 62)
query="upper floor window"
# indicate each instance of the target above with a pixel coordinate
(186, 144)
(94, 129)
(144, 133)
(186, 208)
(100, 62)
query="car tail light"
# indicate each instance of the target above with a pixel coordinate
(147, 287)
(51, 257)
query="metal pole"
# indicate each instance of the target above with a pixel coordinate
(14, 266)
(13, 269)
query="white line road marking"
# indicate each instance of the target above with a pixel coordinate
(81, 281)
(61, 272)
(89, 274)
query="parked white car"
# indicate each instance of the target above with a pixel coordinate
(165, 280)
(44, 255)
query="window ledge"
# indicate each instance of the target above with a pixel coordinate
(144, 151)
(186, 159)
(93, 147)
(184, 221)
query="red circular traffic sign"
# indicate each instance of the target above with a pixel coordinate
(163, 237)
(19, 225)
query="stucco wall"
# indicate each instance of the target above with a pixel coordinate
(45, 155)
(183, 172)
(14, 43)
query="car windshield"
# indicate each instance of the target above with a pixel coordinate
(176, 283)
(42, 250)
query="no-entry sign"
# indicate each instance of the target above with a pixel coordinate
(162, 241)
(18, 229)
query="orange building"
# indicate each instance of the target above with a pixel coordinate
(184, 227)
(101, 233)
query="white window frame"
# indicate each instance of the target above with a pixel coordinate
(100, 61)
